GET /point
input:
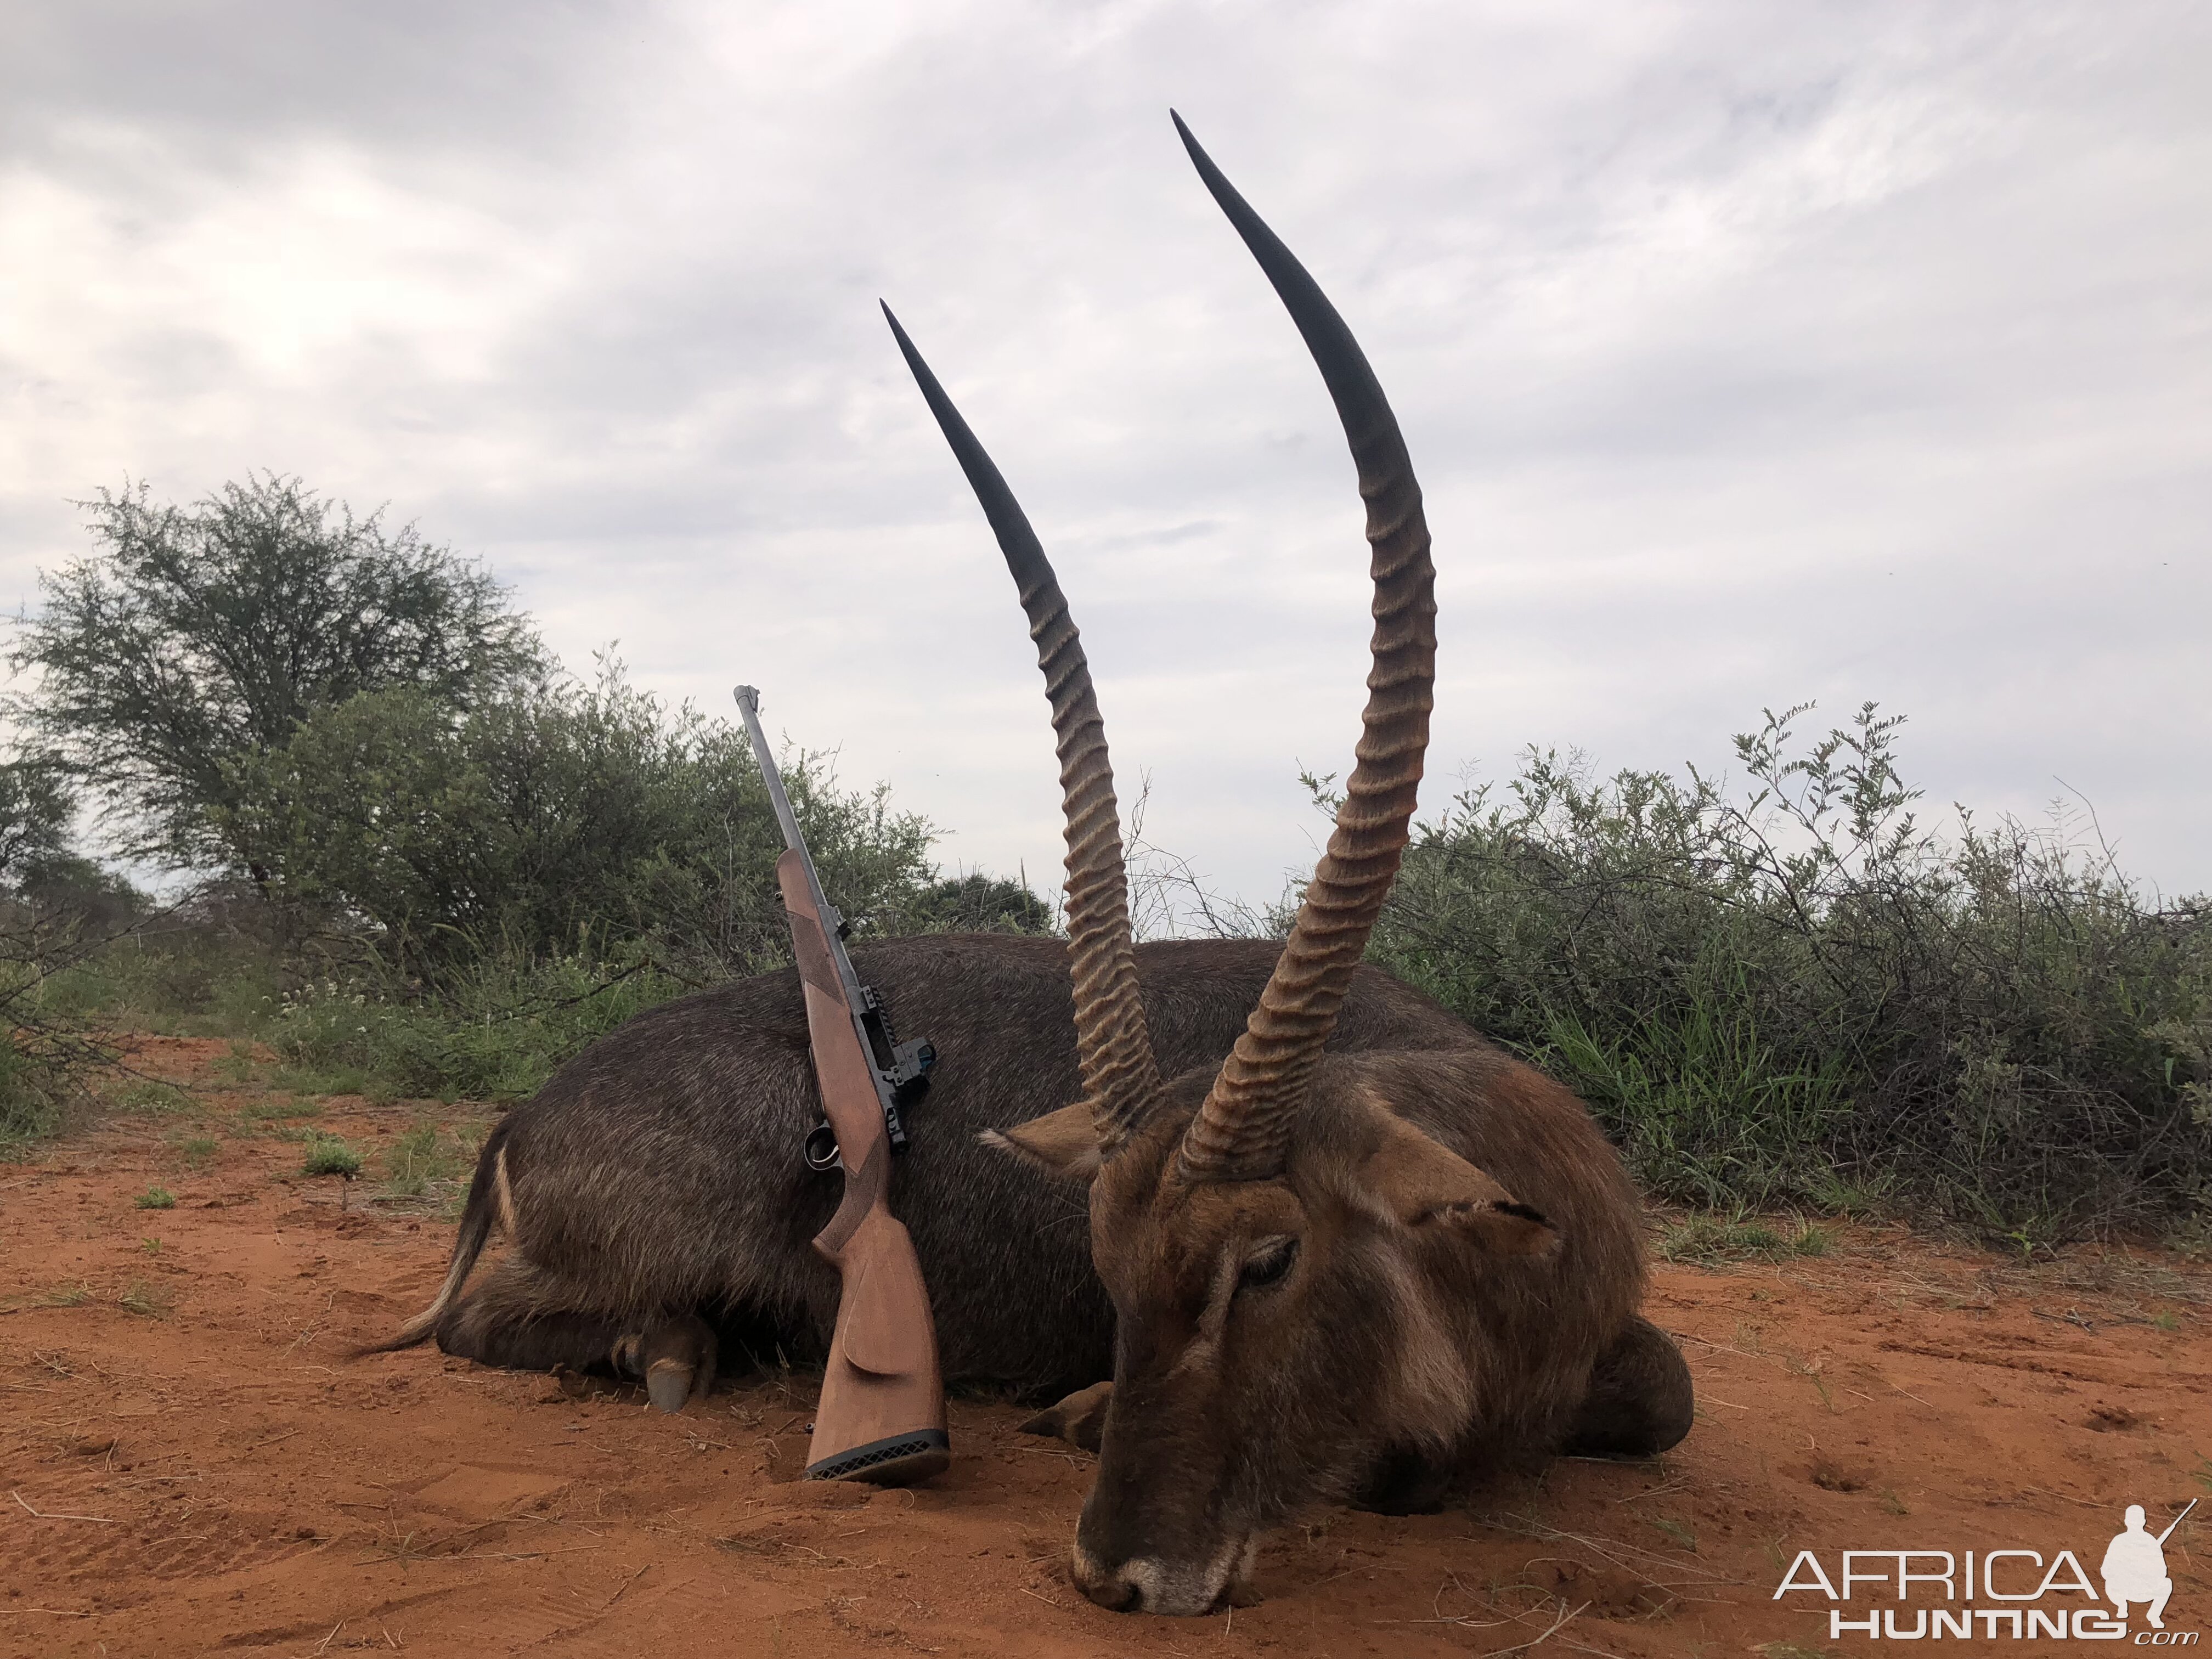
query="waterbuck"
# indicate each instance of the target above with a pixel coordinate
(1329, 1243)
(1367, 1273)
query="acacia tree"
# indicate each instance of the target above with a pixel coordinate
(199, 637)
(35, 810)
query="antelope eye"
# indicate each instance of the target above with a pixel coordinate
(1269, 1264)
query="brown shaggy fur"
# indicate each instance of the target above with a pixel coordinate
(656, 1181)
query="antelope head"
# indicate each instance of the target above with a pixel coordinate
(1280, 1242)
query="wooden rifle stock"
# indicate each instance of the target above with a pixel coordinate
(881, 1413)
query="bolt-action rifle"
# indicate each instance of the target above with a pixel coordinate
(881, 1418)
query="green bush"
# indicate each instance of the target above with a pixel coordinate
(150, 1097)
(1798, 996)
(185, 977)
(28, 1105)
(57, 908)
(973, 904)
(156, 1198)
(328, 1155)
(561, 820)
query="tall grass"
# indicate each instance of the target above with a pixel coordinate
(1706, 1110)
(495, 1031)
(1793, 993)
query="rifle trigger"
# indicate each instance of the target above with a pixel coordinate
(821, 1150)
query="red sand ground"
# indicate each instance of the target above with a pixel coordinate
(189, 1465)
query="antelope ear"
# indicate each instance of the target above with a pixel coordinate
(1064, 1143)
(1422, 1184)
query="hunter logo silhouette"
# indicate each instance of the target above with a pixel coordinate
(2012, 1593)
(2134, 1569)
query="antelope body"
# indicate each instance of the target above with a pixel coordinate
(657, 1179)
(1329, 1243)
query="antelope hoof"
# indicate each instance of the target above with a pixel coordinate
(1079, 1419)
(668, 1384)
(675, 1357)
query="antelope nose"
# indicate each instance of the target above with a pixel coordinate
(1115, 1593)
(1115, 1589)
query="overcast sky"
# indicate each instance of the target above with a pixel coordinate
(1748, 354)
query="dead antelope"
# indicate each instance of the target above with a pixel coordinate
(1363, 1255)
(1340, 1275)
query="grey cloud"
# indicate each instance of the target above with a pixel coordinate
(1748, 353)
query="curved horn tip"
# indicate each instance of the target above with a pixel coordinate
(1198, 151)
(932, 393)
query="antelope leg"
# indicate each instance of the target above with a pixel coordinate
(1640, 1400)
(675, 1355)
(1079, 1419)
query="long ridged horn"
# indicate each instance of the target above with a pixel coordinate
(1120, 1076)
(1242, 1130)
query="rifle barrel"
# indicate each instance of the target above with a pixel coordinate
(859, 1002)
(749, 706)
